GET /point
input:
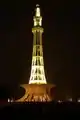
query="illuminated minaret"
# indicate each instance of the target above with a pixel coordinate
(37, 90)
(37, 70)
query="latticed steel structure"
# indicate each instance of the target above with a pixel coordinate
(37, 69)
(37, 89)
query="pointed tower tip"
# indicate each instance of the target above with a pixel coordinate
(37, 10)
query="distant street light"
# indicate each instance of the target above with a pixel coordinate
(8, 100)
(59, 101)
(78, 100)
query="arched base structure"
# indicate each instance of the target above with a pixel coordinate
(37, 93)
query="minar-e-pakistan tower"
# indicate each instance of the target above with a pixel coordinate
(37, 90)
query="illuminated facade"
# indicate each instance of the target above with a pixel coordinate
(37, 89)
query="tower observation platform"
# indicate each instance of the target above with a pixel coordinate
(37, 89)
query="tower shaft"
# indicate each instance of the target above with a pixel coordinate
(37, 69)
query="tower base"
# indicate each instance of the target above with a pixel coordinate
(37, 93)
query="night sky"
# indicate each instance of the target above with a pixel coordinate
(61, 23)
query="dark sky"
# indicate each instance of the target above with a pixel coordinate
(61, 23)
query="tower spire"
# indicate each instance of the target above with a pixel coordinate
(37, 18)
(37, 11)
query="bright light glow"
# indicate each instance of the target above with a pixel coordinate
(59, 101)
(35, 22)
(37, 12)
(78, 100)
(37, 71)
(40, 23)
(37, 82)
(38, 98)
(8, 100)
